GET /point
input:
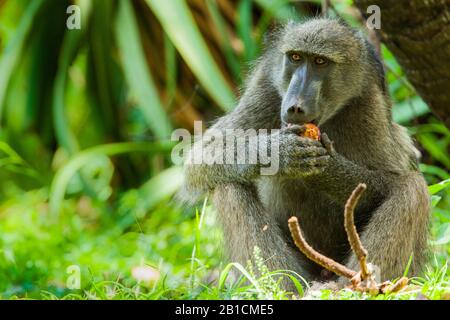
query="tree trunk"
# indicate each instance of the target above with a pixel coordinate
(417, 32)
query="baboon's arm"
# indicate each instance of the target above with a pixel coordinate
(341, 176)
(254, 111)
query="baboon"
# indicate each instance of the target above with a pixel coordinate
(320, 71)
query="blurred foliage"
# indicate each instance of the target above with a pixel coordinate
(85, 123)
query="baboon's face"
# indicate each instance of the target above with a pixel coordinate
(304, 76)
(321, 70)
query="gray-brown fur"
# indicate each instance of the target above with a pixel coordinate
(355, 113)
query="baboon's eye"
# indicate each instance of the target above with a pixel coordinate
(295, 57)
(320, 61)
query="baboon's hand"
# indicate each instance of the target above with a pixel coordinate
(300, 156)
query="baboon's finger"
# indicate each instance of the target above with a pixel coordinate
(309, 151)
(314, 161)
(328, 144)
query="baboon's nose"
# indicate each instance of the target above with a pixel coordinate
(294, 114)
(295, 109)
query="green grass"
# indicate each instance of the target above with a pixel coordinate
(181, 249)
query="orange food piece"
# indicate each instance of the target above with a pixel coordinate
(312, 132)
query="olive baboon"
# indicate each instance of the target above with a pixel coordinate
(323, 72)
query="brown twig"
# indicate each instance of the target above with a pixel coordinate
(352, 233)
(315, 256)
(364, 280)
(399, 285)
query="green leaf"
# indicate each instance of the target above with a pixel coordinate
(279, 9)
(102, 69)
(407, 110)
(226, 271)
(225, 40)
(64, 135)
(443, 235)
(170, 57)
(434, 147)
(435, 188)
(10, 160)
(180, 26)
(12, 53)
(434, 170)
(65, 173)
(435, 200)
(245, 29)
(137, 72)
(439, 128)
(153, 192)
(161, 186)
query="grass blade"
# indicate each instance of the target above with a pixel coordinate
(64, 135)
(137, 73)
(434, 147)
(65, 173)
(225, 40)
(226, 272)
(279, 9)
(407, 110)
(180, 26)
(12, 52)
(170, 56)
(161, 186)
(245, 29)
(435, 188)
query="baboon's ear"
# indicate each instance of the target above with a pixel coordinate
(273, 33)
